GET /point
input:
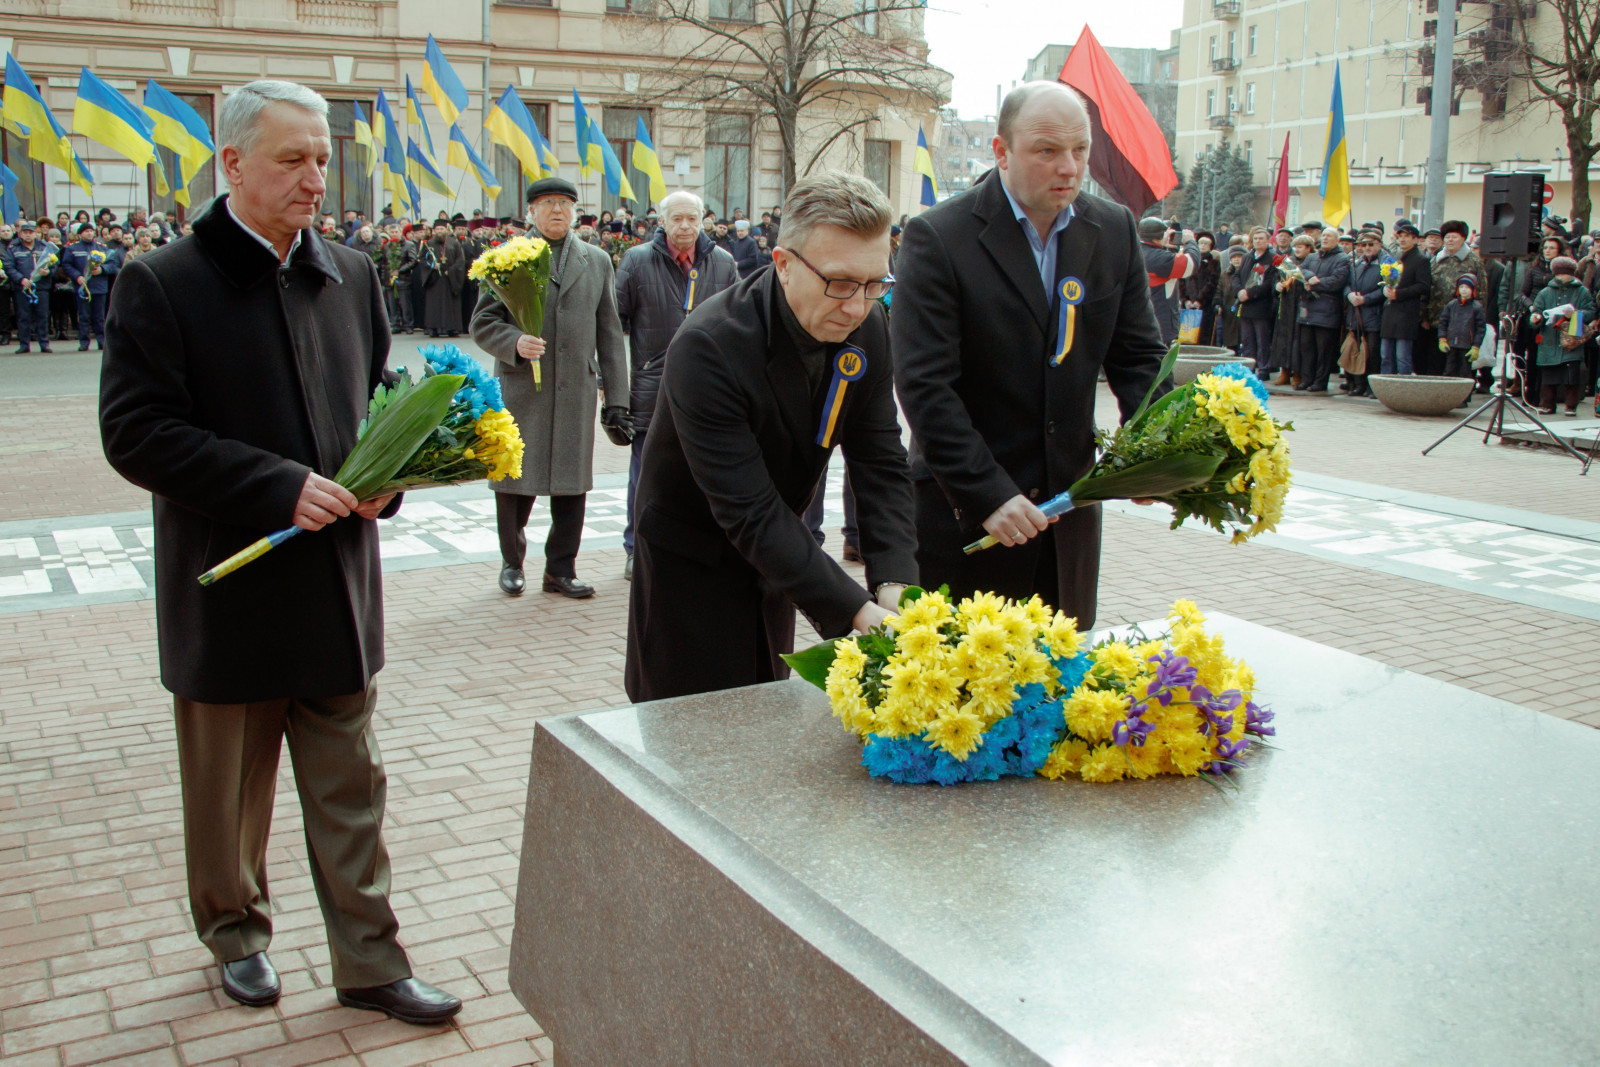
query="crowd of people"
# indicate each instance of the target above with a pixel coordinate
(1311, 302)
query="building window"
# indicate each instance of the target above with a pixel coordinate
(876, 164)
(867, 17)
(349, 187)
(727, 162)
(1250, 99)
(203, 186)
(1211, 102)
(630, 7)
(508, 168)
(1250, 152)
(621, 127)
(734, 10)
(1233, 44)
(1213, 46)
(30, 177)
(1252, 40)
(1232, 105)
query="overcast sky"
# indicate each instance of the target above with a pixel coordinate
(986, 43)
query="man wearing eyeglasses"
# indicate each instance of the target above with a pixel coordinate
(762, 381)
(1013, 297)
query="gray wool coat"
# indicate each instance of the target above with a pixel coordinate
(583, 355)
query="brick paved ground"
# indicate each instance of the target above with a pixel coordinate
(98, 962)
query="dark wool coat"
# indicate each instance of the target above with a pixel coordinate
(1366, 278)
(1260, 274)
(651, 290)
(584, 355)
(225, 381)
(1402, 313)
(441, 271)
(1327, 278)
(991, 416)
(722, 556)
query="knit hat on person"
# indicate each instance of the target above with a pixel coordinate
(1563, 265)
(1470, 282)
(1407, 226)
(1152, 229)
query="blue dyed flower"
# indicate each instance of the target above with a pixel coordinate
(1245, 375)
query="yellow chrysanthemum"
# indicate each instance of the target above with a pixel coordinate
(497, 443)
(957, 732)
(1104, 764)
(1062, 636)
(501, 260)
(1146, 762)
(1091, 713)
(1186, 612)
(988, 639)
(917, 641)
(1065, 758)
(980, 608)
(848, 658)
(931, 609)
(1119, 660)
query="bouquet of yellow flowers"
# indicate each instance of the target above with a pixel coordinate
(518, 271)
(449, 428)
(1210, 449)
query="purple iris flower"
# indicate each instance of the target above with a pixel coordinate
(1258, 720)
(1172, 670)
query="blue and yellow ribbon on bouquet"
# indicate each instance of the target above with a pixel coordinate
(849, 364)
(1071, 293)
(688, 296)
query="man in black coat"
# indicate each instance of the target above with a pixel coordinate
(761, 382)
(1327, 276)
(238, 367)
(655, 292)
(999, 397)
(1404, 302)
(1365, 299)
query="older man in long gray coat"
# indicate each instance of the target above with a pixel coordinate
(580, 355)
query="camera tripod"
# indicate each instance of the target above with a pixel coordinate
(1496, 406)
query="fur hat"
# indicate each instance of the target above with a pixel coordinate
(1563, 265)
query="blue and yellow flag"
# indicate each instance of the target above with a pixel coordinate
(414, 118)
(79, 173)
(645, 158)
(179, 128)
(547, 152)
(10, 209)
(590, 158)
(416, 198)
(25, 110)
(510, 124)
(423, 171)
(394, 161)
(1335, 161)
(439, 81)
(363, 137)
(458, 153)
(922, 164)
(105, 115)
(615, 174)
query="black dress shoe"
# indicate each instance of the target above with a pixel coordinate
(852, 554)
(44, 348)
(411, 1000)
(627, 570)
(571, 588)
(511, 581)
(251, 981)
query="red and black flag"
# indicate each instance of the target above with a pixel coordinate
(1129, 159)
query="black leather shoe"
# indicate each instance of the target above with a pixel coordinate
(23, 350)
(571, 588)
(411, 1000)
(511, 581)
(251, 981)
(627, 570)
(852, 554)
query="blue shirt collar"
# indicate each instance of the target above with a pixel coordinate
(1035, 238)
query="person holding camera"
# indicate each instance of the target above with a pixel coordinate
(1170, 256)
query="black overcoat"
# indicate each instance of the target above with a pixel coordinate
(722, 556)
(225, 381)
(991, 417)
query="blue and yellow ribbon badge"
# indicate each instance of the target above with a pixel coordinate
(1067, 324)
(688, 297)
(848, 365)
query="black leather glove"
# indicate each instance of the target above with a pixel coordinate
(618, 425)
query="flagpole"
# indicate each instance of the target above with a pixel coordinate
(1433, 196)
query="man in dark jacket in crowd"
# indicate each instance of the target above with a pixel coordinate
(89, 265)
(27, 256)
(746, 256)
(1365, 302)
(233, 449)
(1404, 301)
(1327, 276)
(658, 284)
(1257, 301)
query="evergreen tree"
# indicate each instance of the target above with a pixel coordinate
(1220, 189)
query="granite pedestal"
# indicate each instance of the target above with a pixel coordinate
(1409, 877)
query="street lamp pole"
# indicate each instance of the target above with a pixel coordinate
(1439, 132)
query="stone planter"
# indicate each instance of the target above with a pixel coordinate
(1195, 360)
(1420, 394)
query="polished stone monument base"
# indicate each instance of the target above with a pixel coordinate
(1407, 878)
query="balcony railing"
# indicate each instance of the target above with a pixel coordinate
(1224, 64)
(1225, 9)
(1222, 122)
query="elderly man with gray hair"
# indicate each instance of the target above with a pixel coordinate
(658, 284)
(761, 383)
(238, 367)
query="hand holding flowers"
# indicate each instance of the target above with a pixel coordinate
(518, 271)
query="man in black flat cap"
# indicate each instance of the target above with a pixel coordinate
(581, 355)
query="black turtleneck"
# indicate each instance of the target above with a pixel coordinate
(813, 353)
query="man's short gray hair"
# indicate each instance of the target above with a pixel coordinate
(834, 198)
(682, 196)
(1018, 98)
(240, 120)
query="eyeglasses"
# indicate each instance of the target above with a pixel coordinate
(845, 288)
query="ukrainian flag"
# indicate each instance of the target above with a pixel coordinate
(78, 174)
(458, 153)
(645, 158)
(1335, 161)
(616, 177)
(439, 81)
(423, 171)
(387, 134)
(180, 128)
(510, 124)
(589, 155)
(414, 118)
(922, 163)
(363, 137)
(103, 114)
(416, 198)
(10, 209)
(25, 111)
(547, 152)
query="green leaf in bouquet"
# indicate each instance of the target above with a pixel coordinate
(523, 292)
(1152, 479)
(813, 664)
(395, 434)
(1167, 364)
